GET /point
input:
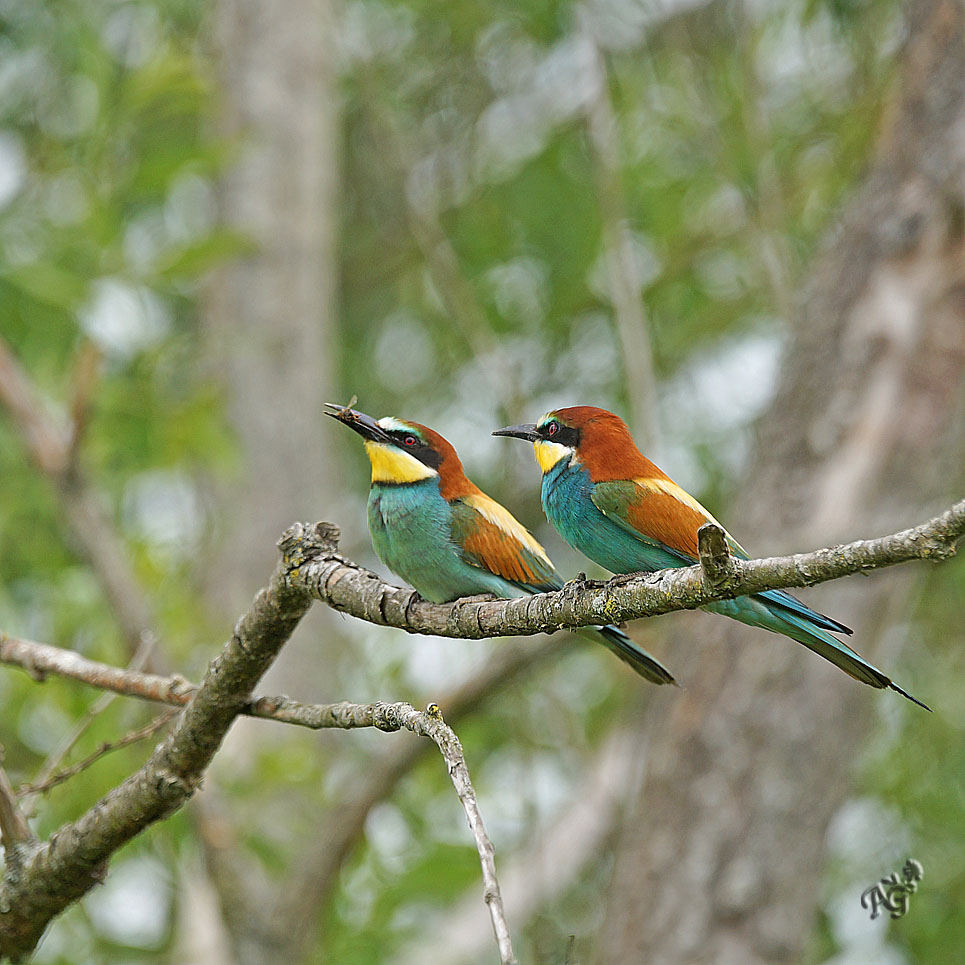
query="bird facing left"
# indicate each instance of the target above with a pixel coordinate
(444, 536)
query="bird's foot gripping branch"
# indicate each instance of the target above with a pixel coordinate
(720, 576)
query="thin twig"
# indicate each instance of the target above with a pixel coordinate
(13, 825)
(294, 916)
(451, 749)
(87, 361)
(40, 659)
(41, 787)
(431, 724)
(80, 727)
(549, 863)
(53, 449)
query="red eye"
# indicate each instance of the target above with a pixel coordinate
(409, 440)
(552, 429)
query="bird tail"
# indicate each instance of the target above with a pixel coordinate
(619, 643)
(798, 626)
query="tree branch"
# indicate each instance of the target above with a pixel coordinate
(54, 452)
(720, 568)
(14, 830)
(348, 587)
(294, 917)
(57, 872)
(40, 659)
(431, 724)
(52, 777)
(345, 586)
(48, 877)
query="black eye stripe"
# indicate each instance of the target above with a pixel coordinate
(416, 447)
(559, 433)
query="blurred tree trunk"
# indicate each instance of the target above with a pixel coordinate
(719, 858)
(270, 336)
(270, 317)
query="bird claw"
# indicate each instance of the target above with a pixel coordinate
(621, 579)
(581, 582)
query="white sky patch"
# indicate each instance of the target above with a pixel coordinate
(13, 166)
(592, 361)
(42, 727)
(722, 213)
(163, 508)
(404, 355)
(622, 24)
(65, 199)
(133, 905)
(713, 399)
(122, 318)
(389, 835)
(189, 211)
(367, 31)
(132, 33)
(145, 240)
(722, 273)
(519, 289)
(646, 266)
(516, 792)
(434, 663)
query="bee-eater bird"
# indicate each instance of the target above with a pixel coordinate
(443, 535)
(616, 507)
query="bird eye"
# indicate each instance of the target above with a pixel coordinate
(409, 441)
(552, 429)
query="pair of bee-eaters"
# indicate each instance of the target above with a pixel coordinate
(442, 534)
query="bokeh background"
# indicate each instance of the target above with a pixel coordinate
(738, 223)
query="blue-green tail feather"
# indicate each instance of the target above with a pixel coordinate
(616, 641)
(800, 624)
(786, 602)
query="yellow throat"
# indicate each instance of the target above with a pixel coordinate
(548, 454)
(391, 465)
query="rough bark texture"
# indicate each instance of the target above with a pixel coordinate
(719, 858)
(346, 586)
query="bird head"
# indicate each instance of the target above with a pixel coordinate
(581, 433)
(405, 452)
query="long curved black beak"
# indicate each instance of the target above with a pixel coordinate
(363, 424)
(527, 432)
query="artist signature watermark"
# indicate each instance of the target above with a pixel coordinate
(891, 894)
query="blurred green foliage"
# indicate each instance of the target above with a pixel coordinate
(740, 129)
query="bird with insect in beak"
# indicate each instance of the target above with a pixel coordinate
(442, 534)
(615, 506)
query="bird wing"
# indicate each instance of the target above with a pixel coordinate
(490, 537)
(659, 512)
